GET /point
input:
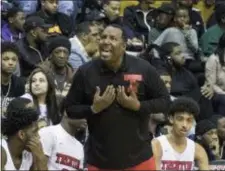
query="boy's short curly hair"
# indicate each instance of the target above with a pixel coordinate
(20, 114)
(184, 104)
(9, 47)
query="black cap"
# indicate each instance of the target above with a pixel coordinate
(204, 126)
(34, 22)
(166, 8)
(58, 41)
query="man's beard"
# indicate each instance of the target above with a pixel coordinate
(39, 42)
(177, 65)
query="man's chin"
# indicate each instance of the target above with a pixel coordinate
(105, 58)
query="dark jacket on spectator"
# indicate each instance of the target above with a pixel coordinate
(197, 22)
(211, 21)
(30, 57)
(185, 84)
(134, 18)
(58, 19)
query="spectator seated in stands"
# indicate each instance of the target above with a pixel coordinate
(57, 64)
(212, 18)
(163, 21)
(11, 85)
(84, 45)
(140, 18)
(111, 12)
(32, 47)
(219, 121)
(42, 93)
(183, 81)
(183, 33)
(61, 23)
(196, 20)
(206, 135)
(215, 75)
(92, 10)
(13, 29)
(59, 143)
(210, 39)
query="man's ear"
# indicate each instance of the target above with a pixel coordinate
(170, 118)
(84, 37)
(33, 33)
(105, 6)
(10, 19)
(21, 134)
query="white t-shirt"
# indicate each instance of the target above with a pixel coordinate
(65, 152)
(27, 159)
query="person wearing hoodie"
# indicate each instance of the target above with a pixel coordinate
(12, 30)
(207, 136)
(61, 23)
(57, 64)
(32, 47)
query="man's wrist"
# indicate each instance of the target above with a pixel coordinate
(138, 106)
(93, 110)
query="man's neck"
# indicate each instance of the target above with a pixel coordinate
(13, 30)
(144, 7)
(5, 78)
(116, 65)
(59, 70)
(31, 42)
(67, 128)
(177, 139)
(46, 14)
(15, 148)
(152, 127)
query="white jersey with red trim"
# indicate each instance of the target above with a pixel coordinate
(65, 152)
(172, 160)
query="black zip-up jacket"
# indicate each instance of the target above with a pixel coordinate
(118, 136)
(29, 56)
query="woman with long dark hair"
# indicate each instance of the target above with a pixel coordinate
(42, 92)
(215, 75)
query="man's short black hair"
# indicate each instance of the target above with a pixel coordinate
(184, 104)
(178, 8)
(13, 12)
(124, 36)
(84, 28)
(20, 114)
(106, 2)
(9, 47)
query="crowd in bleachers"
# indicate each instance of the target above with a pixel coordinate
(45, 42)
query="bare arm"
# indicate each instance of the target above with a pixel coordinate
(3, 158)
(39, 163)
(157, 153)
(201, 157)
